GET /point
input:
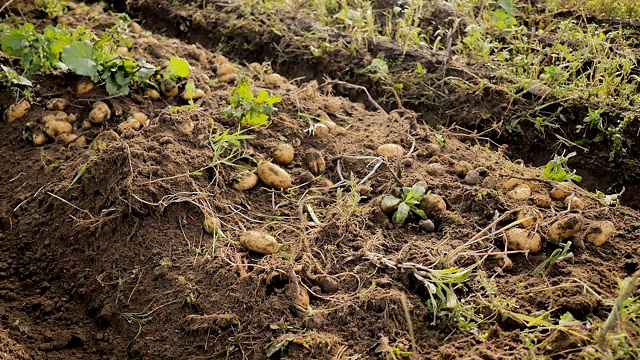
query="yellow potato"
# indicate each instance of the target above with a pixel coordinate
(521, 239)
(566, 227)
(561, 191)
(257, 68)
(55, 128)
(55, 116)
(197, 95)
(532, 215)
(100, 113)
(574, 203)
(169, 88)
(17, 111)
(328, 123)
(432, 149)
(152, 94)
(600, 233)
(211, 224)
(259, 242)
(436, 169)
(520, 192)
(283, 154)
(225, 69)
(71, 118)
(86, 125)
(39, 138)
(541, 200)
(84, 86)
(140, 117)
(275, 80)
(122, 51)
(505, 263)
(432, 205)
(314, 160)
(390, 151)
(130, 123)
(513, 182)
(66, 138)
(462, 168)
(246, 180)
(135, 27)
(320, 130)
(57, 104)
(332, 105)
(274, 176)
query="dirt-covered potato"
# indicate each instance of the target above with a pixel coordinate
(55, 128)
(275, 80)
(561, 191)
(54, 116)
(332, 105)
(84, 86)
(541, 200)
(330, 124)
(513, 182)
(130, 123)
(169, 88)
(66, 138)
(225, 69)
(274, 176)
(521, 239)
(505, 263)
(197, 95)
(39, 138)
(100, 113)
(256, 68)
(565, 227)
(461, 168)
(432, 149)
(17, 111)
(104, 139)
(314, 161)
(436, 169)
(58, 104)
(140, 117)
(600, 232)
(245, 180)
(321, 130)
(152, 94)
(520, 192)
(574, 203)
(228, 79)
(432, 204)
(283, 154)
(211, 224)
(531, 215)
(390, 151)
(259, 242)
(135, 27)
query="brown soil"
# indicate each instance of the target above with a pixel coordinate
(116, 265)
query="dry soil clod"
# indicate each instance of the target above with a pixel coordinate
(314, 161)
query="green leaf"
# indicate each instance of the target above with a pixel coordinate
(507, 6)
(419, 213)
(401, 214)
(79, 58)
(418, 189)
(14, 43)
(178, 67)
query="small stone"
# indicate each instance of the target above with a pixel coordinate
(489, 183)
(427, 225)
(482, 171)
(328, 285)
(472, 178)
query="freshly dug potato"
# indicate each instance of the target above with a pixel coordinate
(275, 80)
(461, 168)
(274, 176)
(521, 239)
(566, 227)
(432, 149)
(314, 160)
(55, 128)
(54, 116)
(197, 95)
(122, 51)
(432, 205)
(505, 263)
(320, 130)
(135, 27)
(390, 150)
(228, 79)
(16, 111)
(332, 105)
(600, 232)
(152, 94)
(533, 216)
(513, 182)
(259, 242)
(257, 68)
(140, 117)
(84, 86)
(100, 113)
(39, 138)
(574, 203)
(542, 200)
(130, 123)
(520, 192)
(283, 154)
(169, 88)
(225, 69)
(211, 224)
(245, 180)
(66, 138)
(86, 125)
(104, 139)
(329, 124)
(71, 118)
(57, 104)
(436, 169)
(561, 191)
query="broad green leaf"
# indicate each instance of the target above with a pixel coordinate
(14, 43)
(419, 213)
(178, 67)
(507, 5)
(418, 189)
(79, 58)
(401, 214)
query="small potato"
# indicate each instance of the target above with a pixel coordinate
(211, 224)
(228, 79)
(140, 117)
(130, 123)
(66, 138)
(520, 192)
(432, 204)
(566, 227)
(513, 182)
(561, 191)
(71, 119)
(505, 263)
(259, 242)
(283, 154)
(100, 113)
(122, 51)
(320, 130)
(55, 128)
(169, 88)
(461, 168)
(39, 138)
(432, 149)
(104, 139)
(17, 111)
(328, 123)
(54, 116)
(275, 80)
(57, 104)
(574, 203)
(245, 180)
(361, 106)
(274, 176)
(257, 68)
(314, 161)
(542, 200)
(135, 27)
(225, 69)
(436, 169)
(197, 95)
(390, 150)
(531, 215)
(152, 94)
(521, 239)
(86, 125)
(600, 232)
(332, 105)
(84, 86)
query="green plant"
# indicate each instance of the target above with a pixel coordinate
(556, 256)
(250, 109)
(9, 78)
(227, 147)
(53, 8)
(407, 202)
(557, 170)
(438, 284)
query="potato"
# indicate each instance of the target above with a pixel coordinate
(169, 88)
(135, 27)
(55, 128)
(513, 182)
(152, 94)
(84, 86)
(140, 117)
(561, 191)
(130, 123)
(275, 80)
(600, 232)
(432, 204)
(332, 105)
(520, 192)
(472, 178)
(211, 224)
(320, 130)
(542, 200)
(259, 242)
(436, 169)
(257, 68)
(197, 95)
(461, 168)
(432, 149)
(521, 239)
(505, 263)
(283, 154)
(225, 69)
(390, 150)
(245, 180)
(324, 183)
(57, 104)
(71, 118)
(228, 79)
(565, 228)
(39, 138)
(86, 125)
(274, 176)
(79, 142)
(66, 138)
(122, 51)
(100, 113)
(103, 140)
(17, 111)
(574, 203)
(330, 124)
(54, 116)
(314, 160)
(533, 216)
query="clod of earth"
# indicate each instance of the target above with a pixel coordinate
(600, 232)
(472, 178)
(432, 149)
(432, 205)
(435, 169)
(274, 176)
(565, 227)
(259, 242)
(314, 161)
(103, 140)
(427, 225)
(17, 111)
(521, 239)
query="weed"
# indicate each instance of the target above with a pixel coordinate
(227, 147)
(407, 202)
(250, 109)
(557, 170)
(556, 256)
(53, 8)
